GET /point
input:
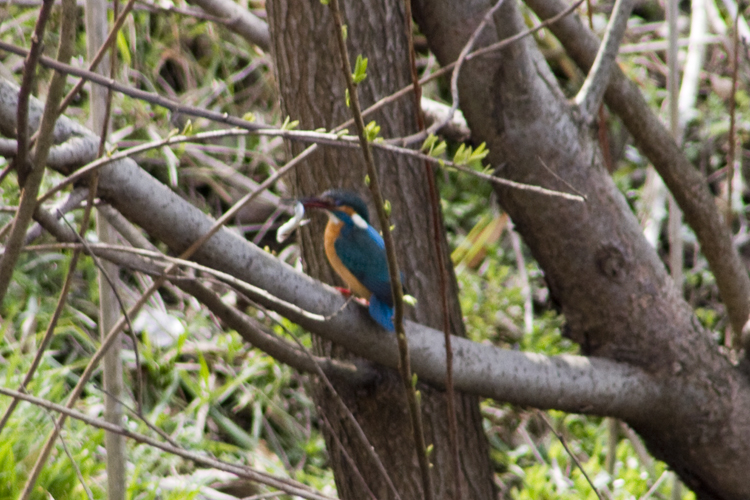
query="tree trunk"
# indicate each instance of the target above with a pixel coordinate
(618, 300)
(312, 91)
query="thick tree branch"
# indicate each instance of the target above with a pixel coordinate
(568, 383)
(683, 180)
(617, 298)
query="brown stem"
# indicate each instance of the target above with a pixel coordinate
(439, 251)
(29, 179)
(396, 290)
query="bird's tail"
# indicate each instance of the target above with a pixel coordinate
(382, 313)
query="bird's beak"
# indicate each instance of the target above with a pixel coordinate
(317, 203)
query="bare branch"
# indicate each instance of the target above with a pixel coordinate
(287, 485)
(150, 97)
(572, 455)
(239, 20)
(589, 98)
(569, 383)
(33, 180)
(683, 180)
(99, 54)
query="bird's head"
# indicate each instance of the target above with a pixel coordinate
(344, 205)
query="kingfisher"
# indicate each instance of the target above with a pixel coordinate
(356, 251)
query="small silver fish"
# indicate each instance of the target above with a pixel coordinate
(289, 226)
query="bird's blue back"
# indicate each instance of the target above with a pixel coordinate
(362, 251)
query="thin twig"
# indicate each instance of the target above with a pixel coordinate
(347, 457)
(566, 183)
(358, 431)
(73, 463)
(462, 57)
(437, 240)
(121, 304)
(589, 98)
(149, 97)
(287, 485)
(134, 412)
(106, 160)
(333, 139)
(41, 151)
(390, 247)
(108, 42)
(656, 485)
(49, 332)
(27, 81)
(562, 440)
(28, 180)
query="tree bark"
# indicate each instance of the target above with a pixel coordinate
(618, 299)
(312, 86)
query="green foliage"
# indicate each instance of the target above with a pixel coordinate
(433, 147)
(372, 130)
(360, 69)
(289, 124)
(467, 155)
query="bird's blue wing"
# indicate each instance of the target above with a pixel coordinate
(362, 251)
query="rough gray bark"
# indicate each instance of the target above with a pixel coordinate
(308, 69)
(569, 383)
(617, 298)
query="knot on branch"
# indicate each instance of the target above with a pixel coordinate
(612, 263)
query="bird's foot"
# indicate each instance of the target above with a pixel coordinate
(350, 295)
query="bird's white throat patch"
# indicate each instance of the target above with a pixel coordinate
(332, 217)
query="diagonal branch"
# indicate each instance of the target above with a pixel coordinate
(657, 144)
(33, 181)
(568, 383)
(239, 20)
(287, 485)
(589, 98)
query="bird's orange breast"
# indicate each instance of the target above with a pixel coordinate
(333, 229)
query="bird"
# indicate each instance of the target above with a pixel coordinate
(356, 251)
